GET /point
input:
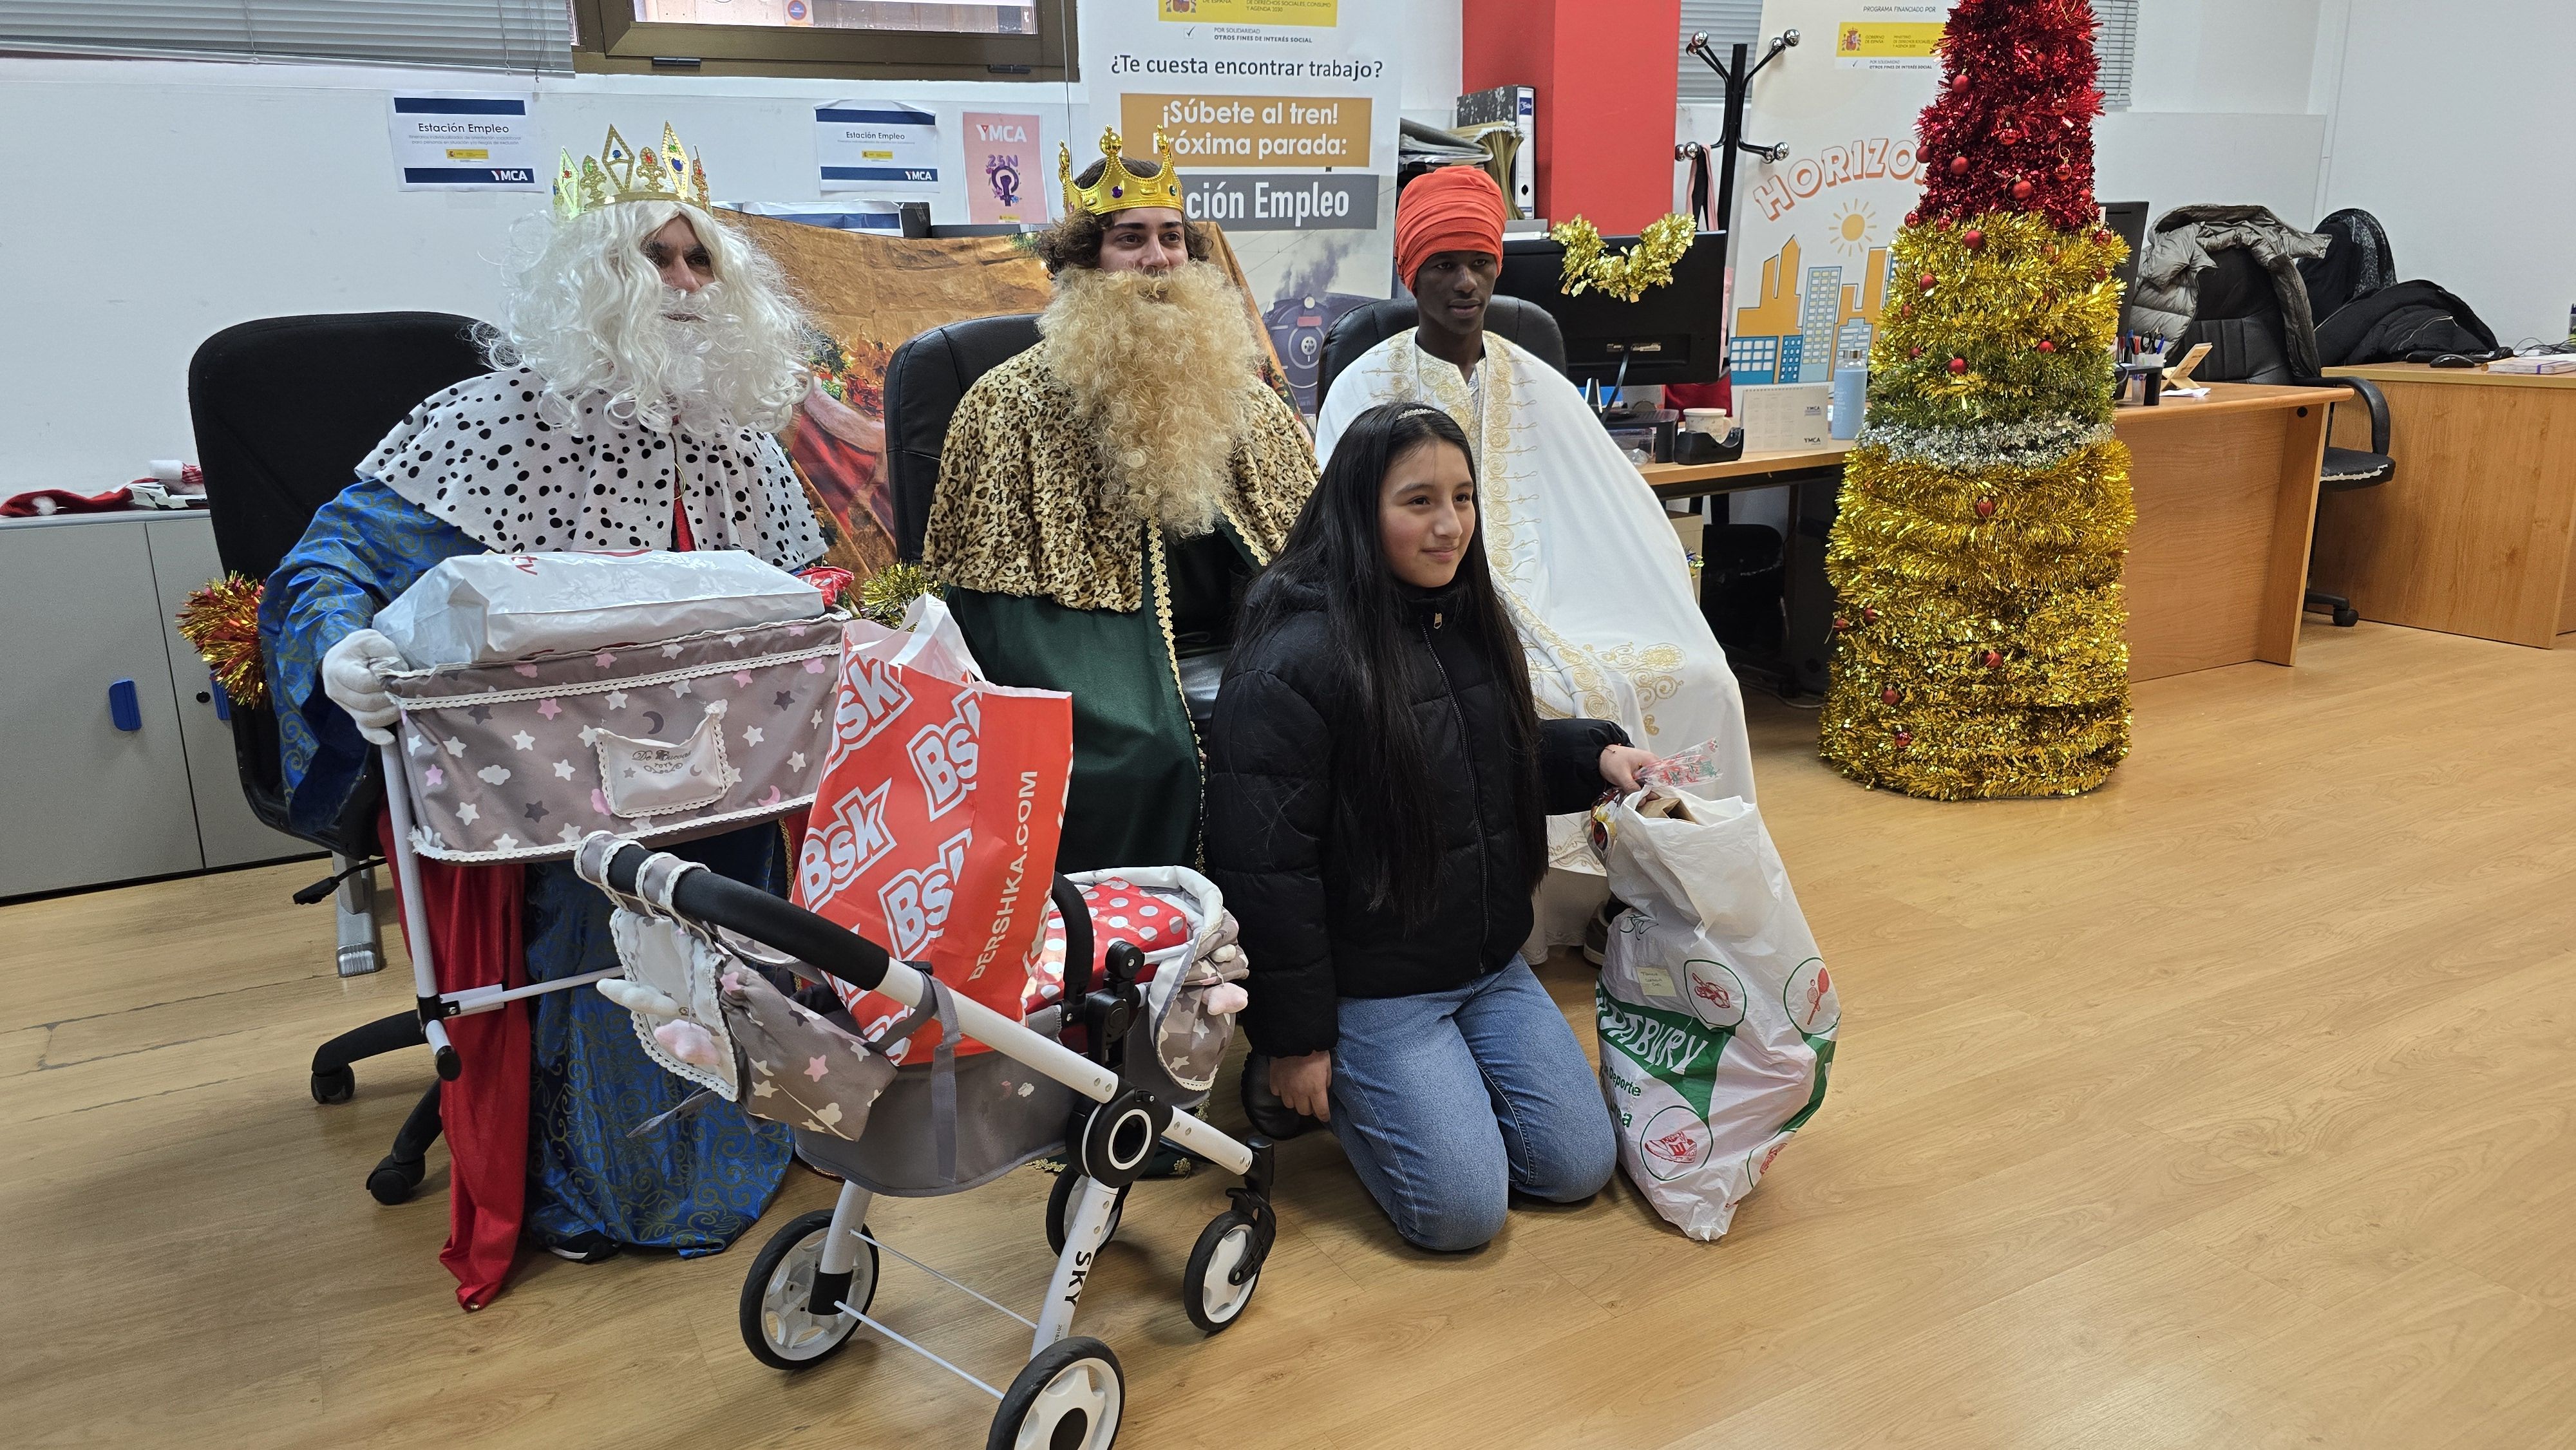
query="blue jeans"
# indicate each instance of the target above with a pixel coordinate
(1448, 1101)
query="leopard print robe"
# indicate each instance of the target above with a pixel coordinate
(1019, 508)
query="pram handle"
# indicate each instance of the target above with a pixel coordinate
(782, 925)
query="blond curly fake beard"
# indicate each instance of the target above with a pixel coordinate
(1160, 365)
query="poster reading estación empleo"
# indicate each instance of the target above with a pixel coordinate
(1282, 116)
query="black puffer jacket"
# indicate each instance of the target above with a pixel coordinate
(1280, 823)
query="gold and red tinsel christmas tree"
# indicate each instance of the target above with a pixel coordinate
(1982, 643)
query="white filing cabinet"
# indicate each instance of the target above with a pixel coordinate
(86, 601)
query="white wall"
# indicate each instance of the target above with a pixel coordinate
(158, 202)
(2219, 109)
(2449, 118)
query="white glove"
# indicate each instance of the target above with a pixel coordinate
(349, 678)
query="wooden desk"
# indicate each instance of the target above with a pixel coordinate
(1753, 470)
(2226, 489)
(2473, 533)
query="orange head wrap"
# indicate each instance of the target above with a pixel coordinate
(1453, 209)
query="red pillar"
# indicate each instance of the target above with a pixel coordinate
(1607, 73)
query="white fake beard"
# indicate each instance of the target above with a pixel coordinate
(1159, 364)
(691, 360)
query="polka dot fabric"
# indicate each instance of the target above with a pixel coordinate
(1120, 911)
(483, 457)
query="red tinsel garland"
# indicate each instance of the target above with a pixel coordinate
(2012, 129)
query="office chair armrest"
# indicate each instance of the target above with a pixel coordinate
(2369, 393)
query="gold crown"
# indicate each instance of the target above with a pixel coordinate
(1120, 189)
(617, 174)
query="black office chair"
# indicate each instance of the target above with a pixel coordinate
(285, 408)
(2348, 470)
(1526, 325)
(2237, 311)
(924, 381)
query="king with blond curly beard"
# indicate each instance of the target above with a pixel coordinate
(1105, 497)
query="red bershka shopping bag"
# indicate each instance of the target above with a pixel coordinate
(934, 829)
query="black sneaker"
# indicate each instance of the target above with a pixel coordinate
(1270, 1117)
(585, 1248)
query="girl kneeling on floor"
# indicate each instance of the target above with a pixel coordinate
(1378, 783)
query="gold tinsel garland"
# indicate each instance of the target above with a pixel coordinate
(886, 594)
(221, 622)
(1628, 275)
(1982, 645)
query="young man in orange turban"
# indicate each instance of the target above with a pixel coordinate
(1580, 548)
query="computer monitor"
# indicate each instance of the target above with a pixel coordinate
(1674, 334)
(2129, 219)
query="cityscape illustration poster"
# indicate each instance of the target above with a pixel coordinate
(1812, 273)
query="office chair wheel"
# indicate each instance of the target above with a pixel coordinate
(2347, 617)
(1225, 1268)
(1060, 1209)
(336, 1086)
(395, 1178)
(778, 1324)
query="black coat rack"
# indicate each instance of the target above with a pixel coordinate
(1717, 213)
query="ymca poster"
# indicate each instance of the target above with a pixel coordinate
(1812, 232)
(1282, 116)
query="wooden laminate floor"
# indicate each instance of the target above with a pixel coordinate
(2234, 1105)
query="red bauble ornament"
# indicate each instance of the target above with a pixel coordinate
(1904, 738)
(1869, 616)
(1958, 166)
(2008, 136)
(2065, 173)
(2021, 190)
(2101, 274)
(1918, 349)
(1841, 624)
(2046, 346)
(1994, 659)
(1972, 239)
(1889, 695)
(1958, 365)
(1926, 281)
(1985, 508)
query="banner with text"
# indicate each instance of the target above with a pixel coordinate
(1282, 116)
(1812, 232)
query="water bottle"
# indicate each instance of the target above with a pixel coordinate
(1851, 390)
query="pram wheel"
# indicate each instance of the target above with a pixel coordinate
(1060, 1208)
(336, 1086)
(1068, 1398)
(1222, 1273)
(778, 1323)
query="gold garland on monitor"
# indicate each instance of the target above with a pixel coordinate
(1628, 275)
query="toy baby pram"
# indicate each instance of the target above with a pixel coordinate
(1100, 1076)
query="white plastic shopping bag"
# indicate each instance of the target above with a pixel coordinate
(1715, 1011)
(495, 608)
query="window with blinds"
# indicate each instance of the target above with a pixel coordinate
(505, 35)
(2117, 45)
(1728, 22)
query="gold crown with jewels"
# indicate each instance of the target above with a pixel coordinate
(1120, 189)
(617, 174)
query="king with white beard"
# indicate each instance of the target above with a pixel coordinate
(643, 354)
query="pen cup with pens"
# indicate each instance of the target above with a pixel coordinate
(2141, 372)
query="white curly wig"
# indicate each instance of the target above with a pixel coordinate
(589, 313)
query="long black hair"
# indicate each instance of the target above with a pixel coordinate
(1382, 772)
